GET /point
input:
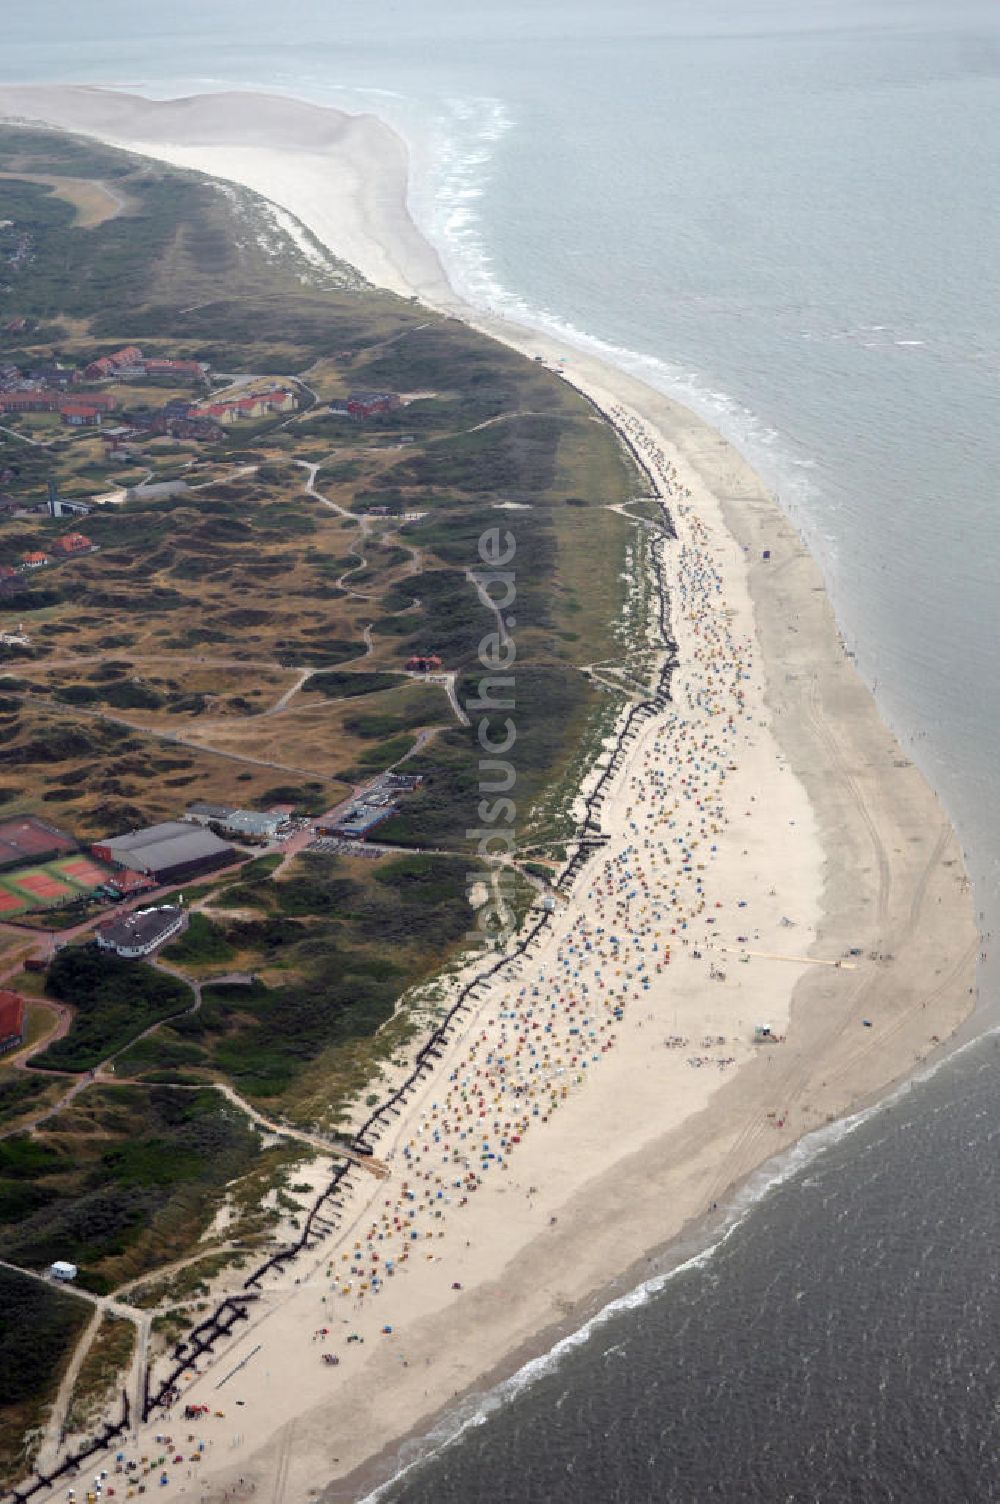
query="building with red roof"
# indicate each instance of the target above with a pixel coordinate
(30, 402)
(126, 883)
(253, 405)
(107, 365)
(186, 369)
(71, 544)
(11, 1021)
(372, 404)
(80, 415)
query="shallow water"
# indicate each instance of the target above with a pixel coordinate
(783, 211)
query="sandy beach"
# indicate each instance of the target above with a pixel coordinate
(772, 859)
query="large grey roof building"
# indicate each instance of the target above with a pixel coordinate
(170, 852)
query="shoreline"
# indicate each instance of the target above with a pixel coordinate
(868, 808)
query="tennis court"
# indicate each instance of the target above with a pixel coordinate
(80, 870)
(42, 887)
(41, 884)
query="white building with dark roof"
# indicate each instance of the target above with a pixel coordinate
(133, 935)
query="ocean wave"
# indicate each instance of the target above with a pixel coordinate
(450, 181)
(477, 1408)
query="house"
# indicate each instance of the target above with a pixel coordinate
(371, 404)
(139, 934)
(104, 402)
(130, 364)
(30, 402)
(34, 560)
(8, 572)
(423, 665)
(109, 365)
(219, 412)
(281, 400)
(72, 544)
(80, 415)
(54, 376)
(125, 884)
(181, 370)
(181, 420)
(247, 408)
(11, 1021)
(63, 1271)
(54, 402)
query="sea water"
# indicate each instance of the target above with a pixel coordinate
(784, 212)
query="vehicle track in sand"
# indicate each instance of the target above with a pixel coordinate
(839, 768)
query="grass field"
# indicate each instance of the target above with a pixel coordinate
(49, 885)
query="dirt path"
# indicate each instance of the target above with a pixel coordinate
(170, 737)
(310, 489)
(103, 1305)
(63, 1018)
(13, 433)
(491, 606)
(55, 1427)
(361, 523)
(279, 705)
(313, 1140)
(448, 680)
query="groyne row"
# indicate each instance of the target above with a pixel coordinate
(234, 1309)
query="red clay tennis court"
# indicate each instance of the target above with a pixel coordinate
(26, 836)
(42, 885)
(79, 870)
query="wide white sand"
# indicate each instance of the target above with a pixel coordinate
(766, 820)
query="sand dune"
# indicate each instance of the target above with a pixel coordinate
(760, 825)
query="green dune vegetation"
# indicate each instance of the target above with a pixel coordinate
(237, 629)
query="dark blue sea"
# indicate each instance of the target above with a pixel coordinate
(786, 213)
(838, 1347)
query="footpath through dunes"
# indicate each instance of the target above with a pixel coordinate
(601, 1095)
(612, 1026)
(599, 1099)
